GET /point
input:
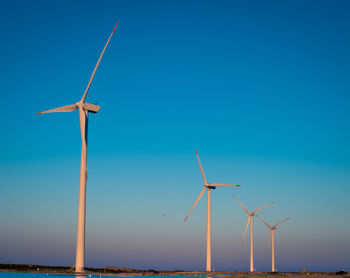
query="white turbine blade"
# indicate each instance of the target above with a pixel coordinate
(91, 107)
(98, 62)
(263, 221)
(263, 207)
(83, 122)
(282, 222)
(268, 244)
(200, 166)
(82, 118)
(246, 228)
(67, 108)
(241, 204)
(195, 203)
(222, 184)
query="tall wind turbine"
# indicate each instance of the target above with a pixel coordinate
(272, 239)
(250, 221)
(84, 109)
(207, 186)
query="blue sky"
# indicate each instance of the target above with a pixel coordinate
(261, 89)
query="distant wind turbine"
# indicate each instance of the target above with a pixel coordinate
(84, 109)
(250, 221)
(272, 239)
(207, 186)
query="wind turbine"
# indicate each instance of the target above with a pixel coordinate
(272, 239)
(84, 109)
(250, 221)
(207, 186)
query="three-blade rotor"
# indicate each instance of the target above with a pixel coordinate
(206, 185)
(275, 226)
(84, 108)
(271, 228)
(250, 215)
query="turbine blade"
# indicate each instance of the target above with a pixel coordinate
(83, 129)
(222, 184)
(263, 221)
(268, 244)
(200, 166)
(195, 203)
(241, 204)
(67, 108)
(98, 62)
(91, 107)
(281, 222)
(246, 228)
(263, 207)
(82, 118)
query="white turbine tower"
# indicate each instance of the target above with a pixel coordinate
(84, 109)
(207, 186)
(250, 221)
(272, 239)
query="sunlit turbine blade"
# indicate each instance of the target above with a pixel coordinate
(263, 221)
(200, 166)
(263, 207)
(67, 108)
(246, 228)
(195, 203)
(91, 107)
(222, 184)
(268, 244)
(241, 204)
(83, 122)
(281, 222)
(82, 118)
(98, 62)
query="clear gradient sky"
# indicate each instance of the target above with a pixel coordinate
(260, 88)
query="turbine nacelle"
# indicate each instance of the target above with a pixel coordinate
(91, 107)
(88, 106)
(209, 186)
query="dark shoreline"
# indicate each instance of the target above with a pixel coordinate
(110, 270)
